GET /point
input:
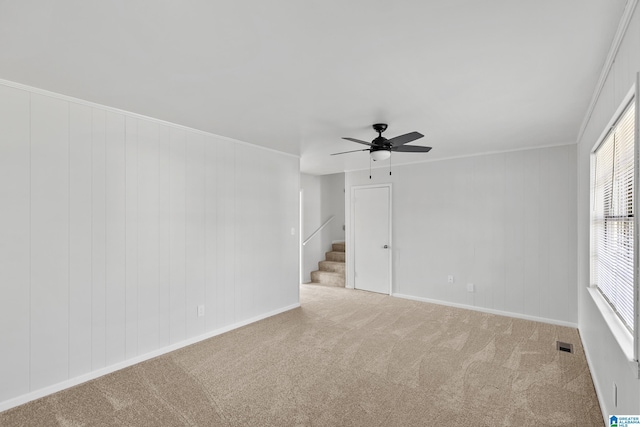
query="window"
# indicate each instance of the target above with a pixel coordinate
(612, 216)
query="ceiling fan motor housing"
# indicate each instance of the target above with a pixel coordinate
(381, 142)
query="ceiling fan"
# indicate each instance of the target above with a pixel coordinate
(380, 148)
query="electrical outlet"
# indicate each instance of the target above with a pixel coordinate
(200, 310)
(470, 287)
(450, 278)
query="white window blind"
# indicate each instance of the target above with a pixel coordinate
(612, 217)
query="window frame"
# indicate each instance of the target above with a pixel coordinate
(613, 216)
(628, 340)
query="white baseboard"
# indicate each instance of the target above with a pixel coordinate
(489, 310)
(37, 394)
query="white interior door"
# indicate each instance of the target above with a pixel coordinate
(372, 238)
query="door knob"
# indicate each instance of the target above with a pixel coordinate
(386, 246)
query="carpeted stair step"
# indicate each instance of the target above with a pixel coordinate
(328, 278)
(338, 247)
(333, 266)
(335, 256)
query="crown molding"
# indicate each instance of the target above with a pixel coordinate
(627, 14)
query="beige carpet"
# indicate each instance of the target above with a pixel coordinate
(346, 358)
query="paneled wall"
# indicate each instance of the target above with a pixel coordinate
(115, 228)
(504, 222)
(608, 363)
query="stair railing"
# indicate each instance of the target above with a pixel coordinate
(318, 230)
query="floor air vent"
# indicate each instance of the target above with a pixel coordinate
(564, 346)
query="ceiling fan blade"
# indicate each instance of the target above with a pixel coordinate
(358, 141)
(411, 149)
(403, 139)
(352, 151)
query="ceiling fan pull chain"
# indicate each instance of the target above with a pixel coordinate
(369, 167)
(390, 154)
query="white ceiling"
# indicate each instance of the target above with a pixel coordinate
(472, 76)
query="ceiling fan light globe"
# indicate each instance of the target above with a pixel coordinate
(380, 155)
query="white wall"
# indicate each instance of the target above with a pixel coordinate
(504, 222)
(323, 197)
(607, 361)
(115, 227)
(332, 204)
(311, 220)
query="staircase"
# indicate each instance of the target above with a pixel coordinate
(331, 272)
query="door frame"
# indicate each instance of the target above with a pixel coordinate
(351, 255)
